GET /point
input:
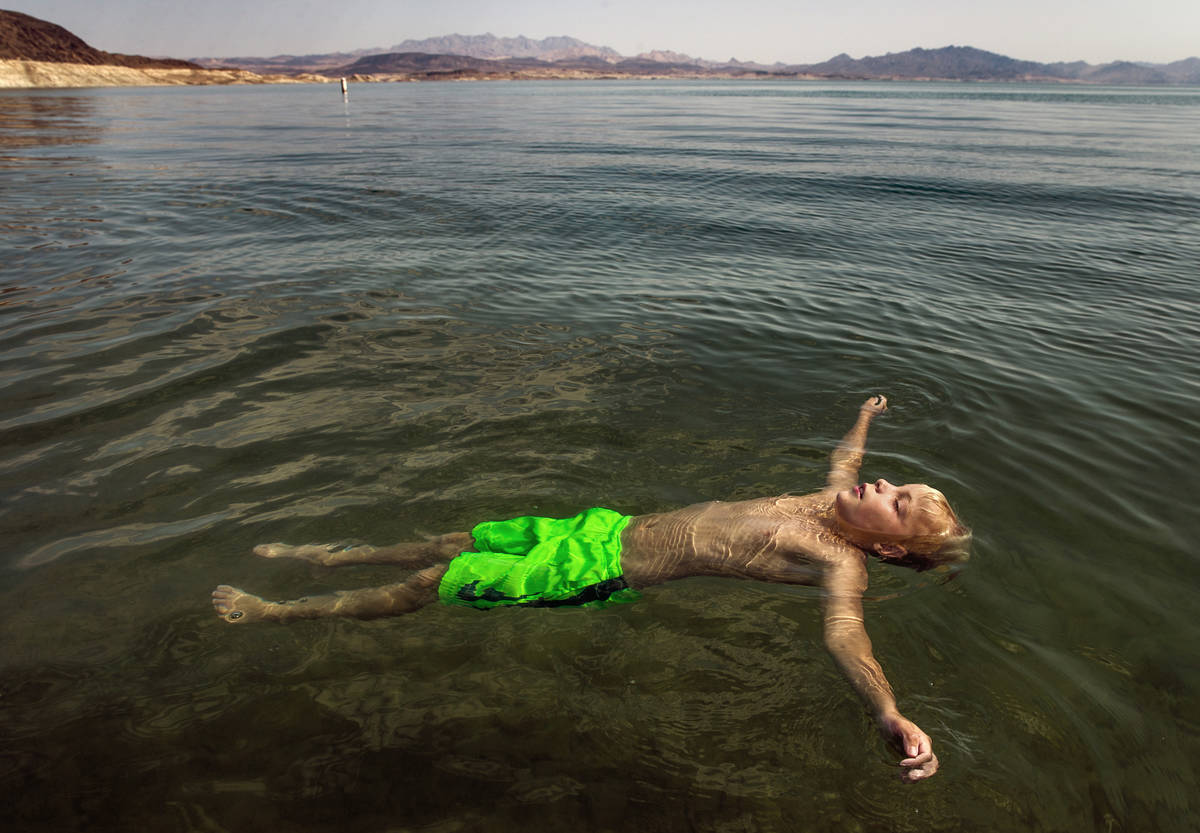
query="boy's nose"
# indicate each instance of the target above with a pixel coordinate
(881, 485)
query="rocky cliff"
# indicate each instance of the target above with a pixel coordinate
(26, 38)
(37, 53)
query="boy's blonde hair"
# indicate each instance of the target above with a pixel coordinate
(950, 544)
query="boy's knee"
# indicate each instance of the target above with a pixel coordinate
(429, 578)
(419, 590)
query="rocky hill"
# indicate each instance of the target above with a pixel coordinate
(957, 62)
(427, 66)
(26, 38)
(964, 63)
(36, 53)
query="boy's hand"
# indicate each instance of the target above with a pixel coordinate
(874, 406)
(920, 762)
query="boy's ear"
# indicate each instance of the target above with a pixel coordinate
(889, 550)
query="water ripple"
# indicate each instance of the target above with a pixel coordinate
(233, 316)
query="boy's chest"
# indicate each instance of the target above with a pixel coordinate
(788, 551)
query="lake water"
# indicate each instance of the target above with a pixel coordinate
(237, 315)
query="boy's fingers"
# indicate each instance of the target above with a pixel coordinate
(925, 770)
(918, 748)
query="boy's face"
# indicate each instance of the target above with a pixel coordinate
(885, 509)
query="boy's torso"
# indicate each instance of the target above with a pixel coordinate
(789, 539)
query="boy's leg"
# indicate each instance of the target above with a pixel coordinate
(435, 550)
(237, 606)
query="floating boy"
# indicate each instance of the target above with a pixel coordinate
(602, 557)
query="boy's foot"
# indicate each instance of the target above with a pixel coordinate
(326, 555)
(238, 606)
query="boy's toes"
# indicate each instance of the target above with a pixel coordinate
(224, 601)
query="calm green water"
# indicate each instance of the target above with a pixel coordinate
(230, 316)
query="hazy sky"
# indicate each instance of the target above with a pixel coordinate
(792, 31)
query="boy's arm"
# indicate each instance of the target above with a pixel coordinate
(847, 457)
(847, 640)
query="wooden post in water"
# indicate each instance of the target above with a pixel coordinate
(343, 86)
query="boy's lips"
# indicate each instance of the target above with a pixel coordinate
(860, 490)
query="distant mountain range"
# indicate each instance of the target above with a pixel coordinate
(26, 38)
(964, 63)
(488, 54)
(491, 47)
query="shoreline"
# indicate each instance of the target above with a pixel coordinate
(26, 75)
(22, 74)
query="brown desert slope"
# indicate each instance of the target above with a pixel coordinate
(36, 53)
(26, 38)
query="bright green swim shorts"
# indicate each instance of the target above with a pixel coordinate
(541, 562)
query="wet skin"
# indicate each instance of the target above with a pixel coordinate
(787, 539)
(883, 508)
